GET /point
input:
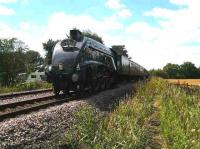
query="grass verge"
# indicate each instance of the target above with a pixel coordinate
(25, 87)
(159, 115)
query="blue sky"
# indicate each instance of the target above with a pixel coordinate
(38, 11)
(154, 32)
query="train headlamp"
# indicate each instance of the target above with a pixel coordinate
(75, 77)
(50, 68)
(78, 67)
(60, 66)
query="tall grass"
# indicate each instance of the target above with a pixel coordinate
(159, 115)
(180, 118)
(25, 87)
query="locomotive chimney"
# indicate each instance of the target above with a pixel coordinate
(76, 35)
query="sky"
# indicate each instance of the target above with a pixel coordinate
(155, 32)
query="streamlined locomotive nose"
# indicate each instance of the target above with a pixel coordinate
(63, 59)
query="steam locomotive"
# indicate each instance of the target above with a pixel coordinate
(80, 63)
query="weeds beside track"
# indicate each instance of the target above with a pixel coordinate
(160, 115)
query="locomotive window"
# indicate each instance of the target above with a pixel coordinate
(33, 76)
(87, 54)
(83, 56)
(101, 57)
(93, 54)
(97, 55)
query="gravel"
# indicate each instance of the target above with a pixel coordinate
(37, 129)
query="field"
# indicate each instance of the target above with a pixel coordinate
(195, 82)
(158, 115)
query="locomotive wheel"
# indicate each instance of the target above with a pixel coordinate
(56, 92)
(66, 92)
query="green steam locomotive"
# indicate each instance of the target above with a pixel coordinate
(80, 63)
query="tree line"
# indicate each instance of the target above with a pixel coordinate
(187, 70)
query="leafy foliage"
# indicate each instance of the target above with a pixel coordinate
(33, 59)
(185, 71)
(48, 47)
(92, 35)
(120, 49)
(15, 58)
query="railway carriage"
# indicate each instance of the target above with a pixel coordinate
(81, 63)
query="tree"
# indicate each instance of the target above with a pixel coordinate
(120, 49)
(12, 56)
(33, 59)
(172, 70)
(15, 58)
(185, 71)
(48, 47)
(158, 72)
(189, 70)
(92, 35)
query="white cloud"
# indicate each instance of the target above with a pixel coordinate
(58, 26)
(60, 23)
(31, 34)
(180, 25)
(124, 13)
(6, 11)
(114, 4)
(24, 25)
(121, 10)
(172, 40)
(7, 1)
(181, 2)
(13, 1)
(24, 2)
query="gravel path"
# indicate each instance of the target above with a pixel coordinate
(24, 97)
(35, 130)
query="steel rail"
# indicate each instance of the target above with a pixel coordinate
(23, 102)
(15, 94)
(50, 102)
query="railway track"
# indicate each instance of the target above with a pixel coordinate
(14, 109)
(17, 94)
